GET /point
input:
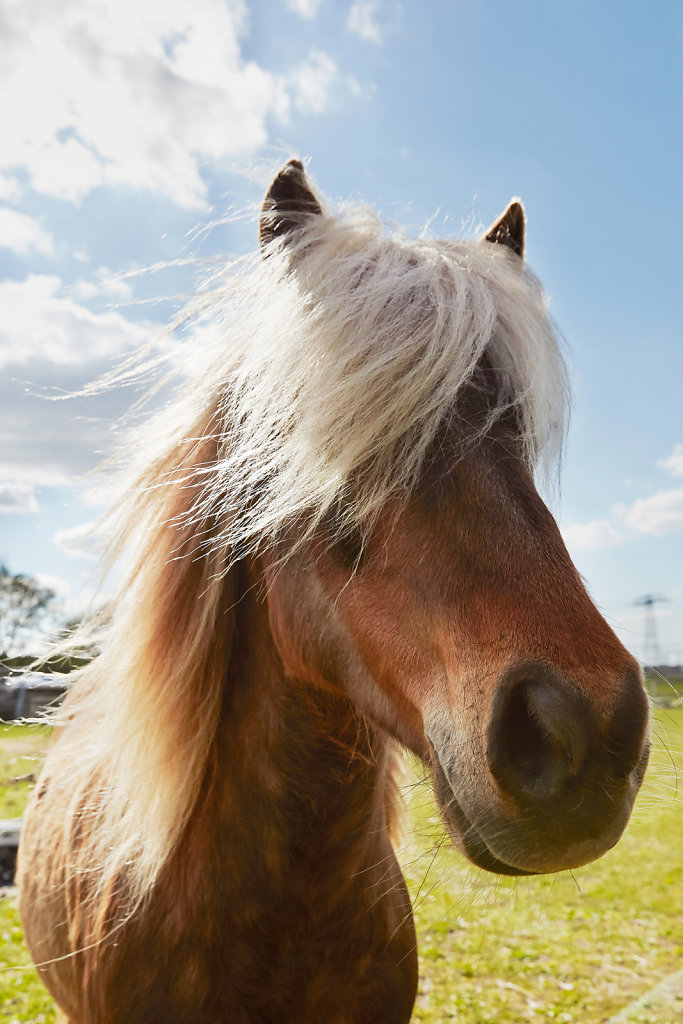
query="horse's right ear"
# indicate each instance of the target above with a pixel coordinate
(509, 229)
(288, 203)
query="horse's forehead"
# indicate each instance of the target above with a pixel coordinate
(459, 475)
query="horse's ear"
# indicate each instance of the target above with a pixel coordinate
(288, 203)
(509, 229)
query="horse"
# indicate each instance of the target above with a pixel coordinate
(336, 551)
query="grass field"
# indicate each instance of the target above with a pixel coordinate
(575, 947)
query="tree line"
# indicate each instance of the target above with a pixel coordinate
(30, 617)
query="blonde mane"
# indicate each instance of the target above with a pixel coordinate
(338, 358)
(320, 375)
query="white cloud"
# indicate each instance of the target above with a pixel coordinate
(107, 285)
(9, 188)
(673, 463)
(656, 515)
(306, 8)
(312, 82)
(119, 92)
(60, 586)
(21, 233)
(53, 444)
(659, 514)
(362, 20)
(599, 533)
(52, 346)
(71, 539)
(17, 498)
(40, 325)
(32, 475)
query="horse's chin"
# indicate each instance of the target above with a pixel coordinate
(463, 833)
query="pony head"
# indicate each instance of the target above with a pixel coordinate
(419, 572)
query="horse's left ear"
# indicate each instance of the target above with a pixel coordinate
(509, 229)
(288, 203)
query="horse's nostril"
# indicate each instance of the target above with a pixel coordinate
(627, 739)
(540, 734)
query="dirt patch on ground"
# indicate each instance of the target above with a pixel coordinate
(662, 1004)
(22, 746)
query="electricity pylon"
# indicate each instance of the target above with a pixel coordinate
(651, 648)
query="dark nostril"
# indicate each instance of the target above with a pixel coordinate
(627, 738)
(539, 735)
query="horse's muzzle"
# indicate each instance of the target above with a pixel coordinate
(558, 775)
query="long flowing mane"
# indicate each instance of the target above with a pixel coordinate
(338, 359)
(320, 377)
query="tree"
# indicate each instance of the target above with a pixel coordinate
(24, 607)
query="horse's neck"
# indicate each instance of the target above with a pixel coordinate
(302, 876)
(284, 900)
(299, 771)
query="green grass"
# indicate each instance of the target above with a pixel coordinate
(574, 947)
(22, 995)
(21, 753)
(668, 689)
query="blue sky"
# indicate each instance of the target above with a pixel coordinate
(128, 124)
